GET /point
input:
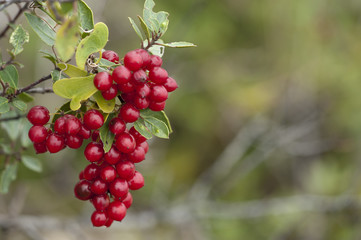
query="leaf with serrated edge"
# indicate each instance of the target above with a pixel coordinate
(77, 89)
(136, 29)
(10, 75)
(95, 42)
(107, 136)
(146, 113)
(8, 175)
(67, 38)
(106, 106)
(32, 163)
(71, 70)
(157, 127)
(85, 16)
(139, 126)
(22, 106)
(178, 44)
(17, 38)
(42, 29)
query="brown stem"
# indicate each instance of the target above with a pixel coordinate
(27, 88)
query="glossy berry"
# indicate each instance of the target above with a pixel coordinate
(129, 97)
(91, 172)
(155, 61)
(108, 174)
(141, 103)
(72, 125)
(55, 143)
(121, 75)
(125, 143)
(139, 138)
(93, 119)
(170, 84)
(128, 200)
(95, 136)
(94, 152)
(118, 188)
(145, 146)
(99, 186)
(142, 90)
(110, 56)
(113, 156)
(125, 169)
(38, 115)
(38, 134)
(59, 125)
(40, 147)
(129, 113)
(145, 57)
(140, 77)
(137, 155)
(101, 202)
(81, 175)
(82, 190)
(156, 106)
(99, 218)
(133, 60)
(136, 182)
(117, 126)
(126, 87)
(74, 141)
(84, 132)
(158, 75)
(111, 93)
(117, 210)
(158, 93)
(103, 81)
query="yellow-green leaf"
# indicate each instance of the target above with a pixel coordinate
(71, 70)
(106, 106)
(67, 38)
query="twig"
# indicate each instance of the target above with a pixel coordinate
(40, 90)
(27, 88)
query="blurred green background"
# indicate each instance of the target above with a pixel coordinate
(267, 129)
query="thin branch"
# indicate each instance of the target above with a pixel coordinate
(27, 88)
(20, 12)
(40, 90)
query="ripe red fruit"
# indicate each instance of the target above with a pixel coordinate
(145, 146)
(84, 132)
(99, 186)
(40, 147)
(170, 84)
(158, 93)
(139, 138)
(72, 125)
(100, 202)
(158, 75)
(128, 200)
(91, 172)
(59, 125)
(117, 126)
(116, 210)
(95, 136)
(108, 174)
(74, 141)
(38, 134)
(126, 87)
(110, 56)
(141, 103)
(145, 56)
(118, 188)
(125, 143)
(38, 115)
(155, 61)
(111, 93)
(156, 106)
(113, 156)
(93, 119)
(140, 77)
(133, 60)
(99, 218)
(136, 182)
(142, 90)
(137, 155)
(103, 81)
(94, 152)
(55, 143)
(82, 190)
(81, 175)
(121, 75)
(129, 113)
(125, 169)
(109, 222)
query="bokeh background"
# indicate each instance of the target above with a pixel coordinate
(267, 129)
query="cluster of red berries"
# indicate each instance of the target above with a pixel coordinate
(140, 83)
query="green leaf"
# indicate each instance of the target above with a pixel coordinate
(156, 22)
(106, 106)
(136, 29)
(11, 127)
(49, 56)
(71, 70)
(155, 49)
(65, 108)
(107, 136)
(18, 37)
(139, 126)
(10, 76)
(85, 16)
(77, 89)
(4, 105)
(147, 113)
(106, 64)
(157, 127)
(25, 97)
(41, 28)
(32, 163)
(67, 39)
(7, 176)
(24, 138)
(144, 27)
(22, 106)
(95, 42)
(55, 75)
(178, 44)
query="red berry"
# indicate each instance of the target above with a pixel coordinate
(158, 93)
(91, 172)
(170, 84)
(129, 113)
(59, 125)
(158, 75)
(128, 200)
(109, 222)
(141, 103)
(125, 143)
(136, 182)
(84, 132)
(121, 75)
(74, 141)
(126, 87)
(128, 97)
(133, 60)
(93, 119)
(138, 155)
(156, 106)
(113, 156)
(117, 126)
(81, 175)
(38, 134)
(94, 152)
(142, 90)
(117, 210)
(145, 56)
(139, 138)
(55, 143)
(118, 188)
(145, 146)
(82, 190)
(103, 81)
(110, 56)
(72, 125)
(125, 169)
(40, 147)
(108, 174)
(155, 61)
(140, 77)
(111, 93)
(95, 136)
(38, 115)
(99, 186)
(99, 218)
(100, 202)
